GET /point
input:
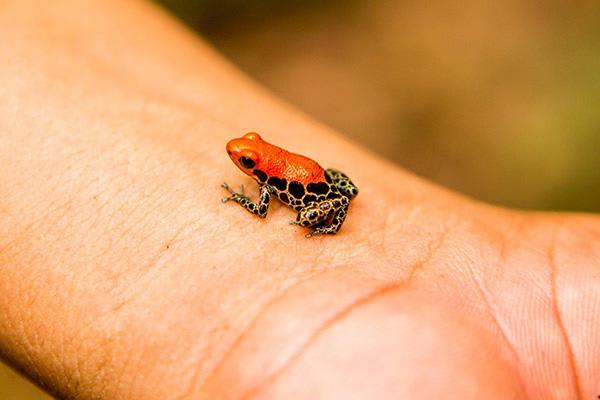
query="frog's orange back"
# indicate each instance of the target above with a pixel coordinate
(262, 160)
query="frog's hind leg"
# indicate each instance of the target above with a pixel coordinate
(343, 183)
(314, 214)
(335, 225)
(261, 208)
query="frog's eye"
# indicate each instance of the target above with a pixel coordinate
(247, 162)
(252, 136)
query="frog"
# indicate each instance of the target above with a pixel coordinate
(321, 197)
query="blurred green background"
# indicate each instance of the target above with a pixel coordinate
(498, 100)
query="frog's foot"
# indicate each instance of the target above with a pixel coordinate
(313, 233)
(259, 208)
(302, 222)
(234, 195)
(323, 230)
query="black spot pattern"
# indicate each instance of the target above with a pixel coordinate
(309, 198)
(312, 215)
(284, 197)
(323, 206)
(260, 174)
(280, 184)
(334, 226)
(296, 189)
(343, 183)
(317, 188)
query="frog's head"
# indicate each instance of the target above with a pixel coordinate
(247, 152)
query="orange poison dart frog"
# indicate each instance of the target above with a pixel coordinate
(321, 197)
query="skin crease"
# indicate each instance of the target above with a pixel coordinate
(122, 276)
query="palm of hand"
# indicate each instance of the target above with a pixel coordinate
(493, 305)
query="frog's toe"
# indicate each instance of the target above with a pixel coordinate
(225, 186)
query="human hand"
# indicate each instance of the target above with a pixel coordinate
(122, 276)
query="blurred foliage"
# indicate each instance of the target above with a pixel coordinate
(499, 100)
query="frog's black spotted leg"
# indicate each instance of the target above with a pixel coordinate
(343, 183)
(335, 224)
(261, 208)
(315, 213)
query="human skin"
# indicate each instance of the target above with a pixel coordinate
(122, 276)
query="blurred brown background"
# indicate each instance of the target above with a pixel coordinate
(496, 99)
(499, 100)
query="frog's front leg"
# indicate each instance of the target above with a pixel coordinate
(261, 208)
(343, 183)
